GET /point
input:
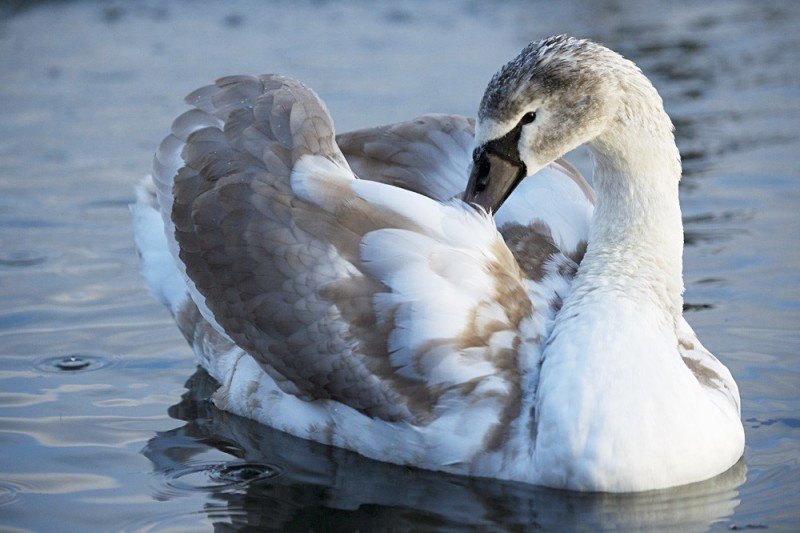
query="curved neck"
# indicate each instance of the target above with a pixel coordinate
(636, 237)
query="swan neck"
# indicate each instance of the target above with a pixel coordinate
(636, 238)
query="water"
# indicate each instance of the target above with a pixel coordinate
(104, 420)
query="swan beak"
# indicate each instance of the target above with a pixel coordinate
(493, 178)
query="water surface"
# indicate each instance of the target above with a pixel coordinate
(104, 419)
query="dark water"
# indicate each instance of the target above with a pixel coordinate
(104, 422)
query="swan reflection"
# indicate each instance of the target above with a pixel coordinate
(261, 477)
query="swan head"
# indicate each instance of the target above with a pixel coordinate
(557, 94)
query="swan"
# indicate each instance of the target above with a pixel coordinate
(356, 290)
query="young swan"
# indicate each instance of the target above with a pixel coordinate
(628, 399)
(324, 284)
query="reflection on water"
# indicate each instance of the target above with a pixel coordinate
(87, 90)
(289, 483)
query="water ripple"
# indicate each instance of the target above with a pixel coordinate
(22, 259)
(170, 521)
(218, 477)
(8, 493)
(73, 363)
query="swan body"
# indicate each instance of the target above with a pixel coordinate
(339, 289)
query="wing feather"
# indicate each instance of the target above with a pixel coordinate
(429, 155)
(712, 375)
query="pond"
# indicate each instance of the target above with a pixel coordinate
(105, 422)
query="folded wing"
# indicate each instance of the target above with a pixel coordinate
(340, 288)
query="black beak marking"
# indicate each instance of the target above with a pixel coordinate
(482, 165)
(496, 170)
(507, 146)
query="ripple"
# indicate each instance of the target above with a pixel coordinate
(786, 421)
(73, 363)
(8, 493)
(175, 521)
(15, 484)
(218, 477)
(22, 259)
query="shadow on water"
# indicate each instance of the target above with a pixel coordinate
(268, 479)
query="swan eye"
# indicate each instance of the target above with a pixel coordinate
(528, 117)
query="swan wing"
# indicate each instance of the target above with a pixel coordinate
(430, 154)
(340, 288)
(712, 375)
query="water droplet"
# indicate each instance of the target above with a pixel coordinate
(72, 363)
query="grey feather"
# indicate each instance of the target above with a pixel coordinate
(270, 283)
(430, 154)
